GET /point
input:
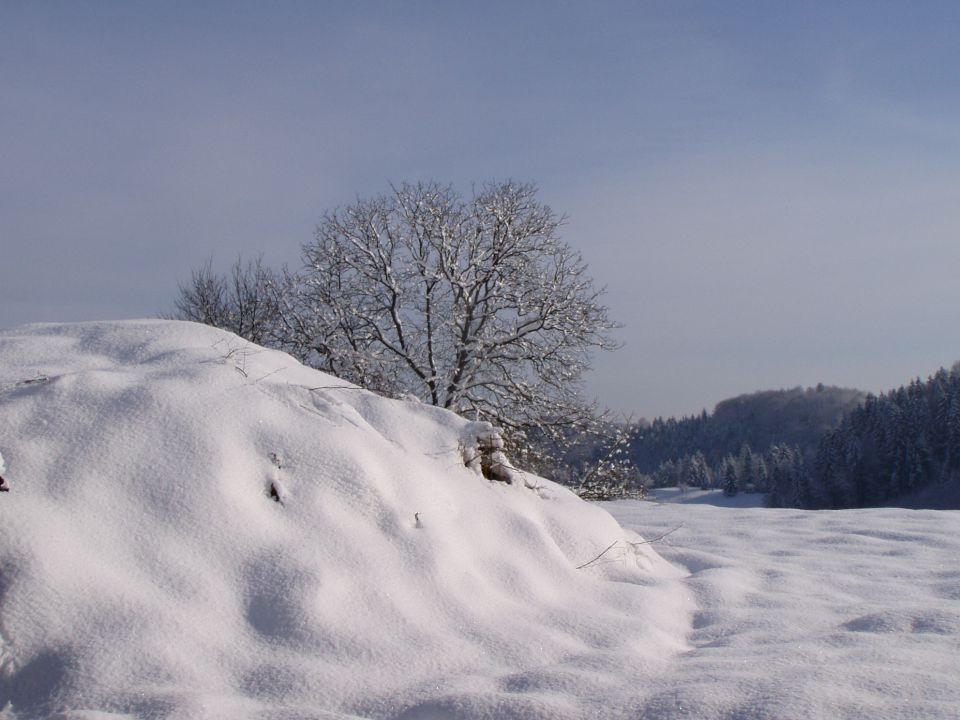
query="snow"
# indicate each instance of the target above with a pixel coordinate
(146, 571)
(805, 614)
(706, 497)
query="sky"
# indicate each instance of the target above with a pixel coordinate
(769, 192)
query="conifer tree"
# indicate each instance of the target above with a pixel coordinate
(730, 480)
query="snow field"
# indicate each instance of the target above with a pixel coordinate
(831, 614)
(146, 572)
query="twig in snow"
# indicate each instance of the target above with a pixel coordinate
(276, 493)
(33, 381)
(241, 351)
(39, 379)
(632, 544)
(656, 539)
(607, 549)
(264, 377)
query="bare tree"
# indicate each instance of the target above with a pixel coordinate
(244, 301)
(471, 304)
(204, 298)
(475, 305)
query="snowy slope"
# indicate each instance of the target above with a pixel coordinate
(146, 572)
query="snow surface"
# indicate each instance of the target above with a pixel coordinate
(145, 570)
(697, 496)
(805, 614)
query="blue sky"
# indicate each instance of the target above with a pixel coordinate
(769, 191)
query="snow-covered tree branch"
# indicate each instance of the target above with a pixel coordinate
(475, 305)
(472, 304)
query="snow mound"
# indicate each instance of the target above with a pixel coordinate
(201, 528)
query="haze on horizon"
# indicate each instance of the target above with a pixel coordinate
(769, 193)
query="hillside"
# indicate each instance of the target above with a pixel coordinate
(146, 571)
(899, 448)
(765, 423)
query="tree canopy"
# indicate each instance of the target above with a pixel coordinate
(473, 304)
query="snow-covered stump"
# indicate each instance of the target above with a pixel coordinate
(483, 453)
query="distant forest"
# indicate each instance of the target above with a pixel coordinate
(744, 442)
(901, 447)
(815, 448)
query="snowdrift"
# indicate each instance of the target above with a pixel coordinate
(201, 528)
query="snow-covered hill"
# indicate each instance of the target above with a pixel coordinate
(146, 571)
